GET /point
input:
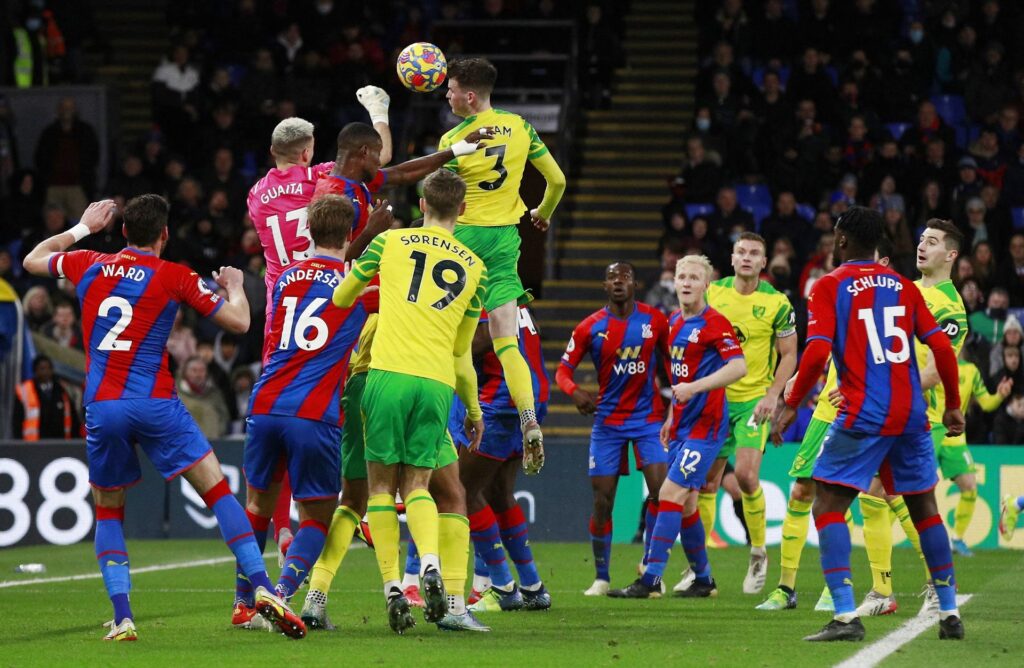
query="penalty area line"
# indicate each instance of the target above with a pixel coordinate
(878, 651)
(135, 571)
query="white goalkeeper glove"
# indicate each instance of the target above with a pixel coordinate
(376, 102)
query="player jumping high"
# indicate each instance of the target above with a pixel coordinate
(488, 224)
(129, 301)
(868, 316)
(621, 340)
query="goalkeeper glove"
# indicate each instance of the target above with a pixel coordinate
(376, 102)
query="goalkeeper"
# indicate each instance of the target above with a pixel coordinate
(488, 225)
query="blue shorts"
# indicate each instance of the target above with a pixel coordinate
(503, 435)
(608, 454)
(310, 449)
(457, 423)
(163, 427)
(904, 462)
(692, 460)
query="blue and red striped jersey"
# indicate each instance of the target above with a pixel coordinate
(493, 390)
(129, 300)
(359, 192)
(310, 342)
(871, 315)
(700, 346)
(623, 353)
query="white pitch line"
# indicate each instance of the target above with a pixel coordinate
(135, 571)
(879, 650)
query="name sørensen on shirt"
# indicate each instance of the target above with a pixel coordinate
(437, 242)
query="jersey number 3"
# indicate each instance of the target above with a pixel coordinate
(452, 289)
(499, 166)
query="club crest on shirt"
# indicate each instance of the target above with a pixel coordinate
(759, 311)
(645, 332)
(694, 335)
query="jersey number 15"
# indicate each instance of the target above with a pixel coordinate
(891, 331)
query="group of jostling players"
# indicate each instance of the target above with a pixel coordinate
(372, 331)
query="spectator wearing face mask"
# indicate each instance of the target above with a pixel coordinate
(989, 324)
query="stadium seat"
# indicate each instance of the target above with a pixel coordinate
(897, 129)
(1018, 218)
(806, 211)
(700, 209)
(750, 195)
(966, 134)
(759, 212)
(951, 108)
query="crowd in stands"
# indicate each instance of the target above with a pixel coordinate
(234, 69)
(803, 109)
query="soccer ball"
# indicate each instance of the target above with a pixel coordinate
(421, 67)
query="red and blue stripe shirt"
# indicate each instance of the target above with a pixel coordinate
(493, 389)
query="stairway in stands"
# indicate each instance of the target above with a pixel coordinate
(612, 210)
(138, 36)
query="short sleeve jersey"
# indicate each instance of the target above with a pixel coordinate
(699, 346)
(758, 319)
(870, 315)
(622, 351)
(129, 301)
(310, 343)
(429, 283)
(493, 174)
(945, 304)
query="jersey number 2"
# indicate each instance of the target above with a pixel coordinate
(110, 341)
(499, 166)
(452, 288)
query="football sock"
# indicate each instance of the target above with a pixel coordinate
(964, 512)
(238, 533)
(707, 502)
(383, 520)
(601, 543)
(486, 537)
(878, 541)
(481, 574)
(339, 538)
(666, 529)
(302, 554)
(753, 511)
(737, 509)
(411, 577)
(112, 557)
(282, 509)
(899, 508)
(453, 538)
(938, 554)
(794, 537)
(243, 588)
(834, 540)
(517, 372)
(694, 545)
(515, 535)
(421, 518)
(650, 517)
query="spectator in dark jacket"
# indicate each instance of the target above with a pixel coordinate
(67, 157)
(44, 408)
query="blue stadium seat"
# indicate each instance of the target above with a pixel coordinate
(806, 211)
(897, 129)
(758, 211)
(1018, 218)
(698, 210)
(951, 108)
(750, 195)
(966, 134)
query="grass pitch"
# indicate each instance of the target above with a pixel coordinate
(183, 616)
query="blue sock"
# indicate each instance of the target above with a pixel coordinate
(412, 559)
(238, 534)
(834, 541)
(483, 528)
(666, 529)
(695, 546)
(302, 554)
(480, 566)
(243, 588)
(112, 557)
(650, 517)
(1020, 503)
(939, 557)
(601, 543)
(515, 535)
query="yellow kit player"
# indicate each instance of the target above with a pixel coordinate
(766, 328)
(431, 292)
(488, 224)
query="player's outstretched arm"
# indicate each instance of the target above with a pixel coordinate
(555, 180)
(95, 218)
(234, 314)
(815, 359)
(376, 103)
(733, 370)
(412, 171)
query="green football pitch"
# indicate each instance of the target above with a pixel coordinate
(183, 614)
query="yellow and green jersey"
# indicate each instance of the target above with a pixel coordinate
(824, 410)
(973, 387)
(944, 303)
(429, 284)
(360, 361)
(493, 174)
(758, 320)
